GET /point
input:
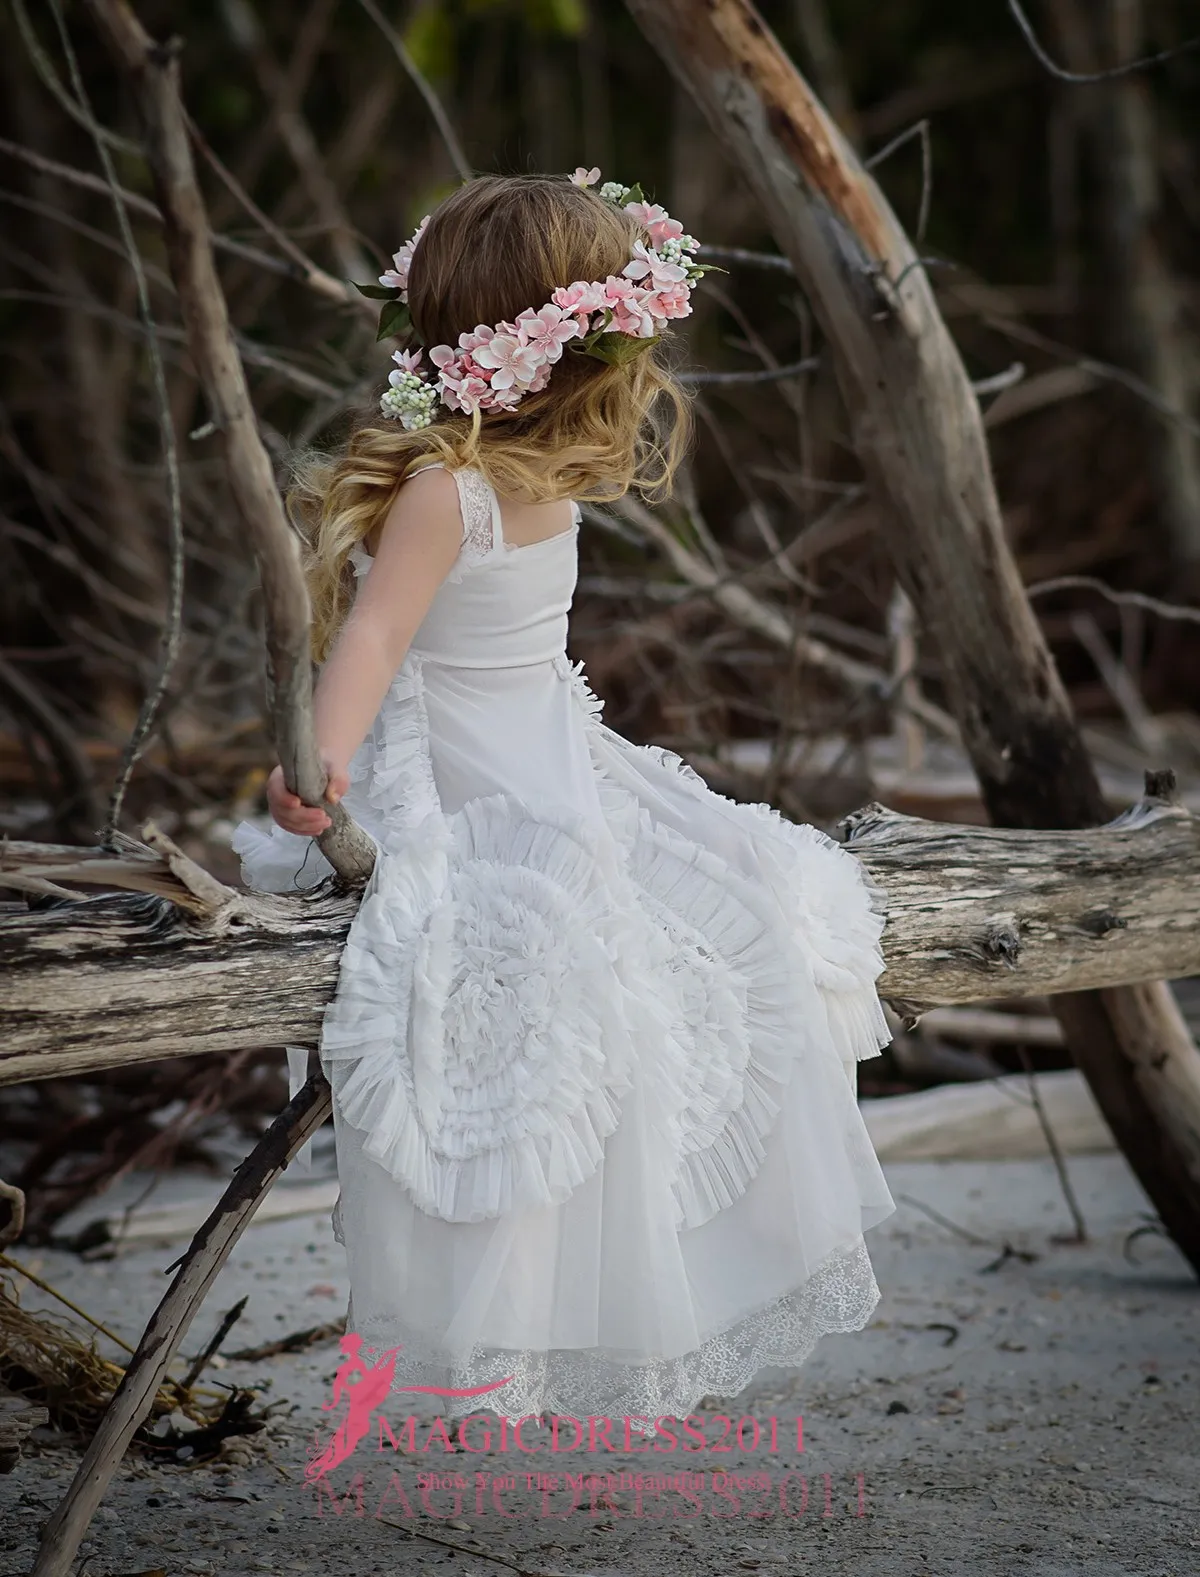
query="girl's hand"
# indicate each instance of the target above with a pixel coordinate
(290, 811)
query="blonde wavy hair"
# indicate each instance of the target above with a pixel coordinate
(500, 244)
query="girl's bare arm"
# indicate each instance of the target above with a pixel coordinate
(418, 545)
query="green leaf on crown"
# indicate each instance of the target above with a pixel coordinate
(394, 319)
(617, 349)
(586, 341)
(633, 194)
(377, 292)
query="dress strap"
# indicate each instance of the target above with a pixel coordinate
(480, 511)
(482, 531)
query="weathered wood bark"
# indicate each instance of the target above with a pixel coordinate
(153, 74)
(198, 1269)
(921, 441)
(12, 1213)
(973, 913)
(17, 1418)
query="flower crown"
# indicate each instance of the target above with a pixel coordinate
(612, 319)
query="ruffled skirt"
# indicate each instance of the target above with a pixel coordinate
(592, 1055)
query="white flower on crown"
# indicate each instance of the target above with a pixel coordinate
(494, 366)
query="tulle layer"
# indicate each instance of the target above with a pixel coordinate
(838, 1297)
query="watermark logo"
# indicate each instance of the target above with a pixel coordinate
(365, 1387)
(442, 1481)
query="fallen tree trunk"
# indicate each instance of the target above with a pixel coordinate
(18, 1417)
(920, 438)
(185, 965)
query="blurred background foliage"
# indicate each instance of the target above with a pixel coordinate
(1062, 231)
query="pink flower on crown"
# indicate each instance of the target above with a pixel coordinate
(542, 378)
(479, 335)
(672, 301)
(645, 261)
(466, 393)
(655, 218)
(443, 358)
(512, 362)
(584, 177)
(407, 360)
(504, 399)
(626, 301)
(547, 331)
(580, 299)
(397, 278)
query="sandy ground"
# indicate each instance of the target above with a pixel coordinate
(995, 1418)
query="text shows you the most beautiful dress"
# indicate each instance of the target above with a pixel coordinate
(594, 1039)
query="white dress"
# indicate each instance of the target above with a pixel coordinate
(594, 1041)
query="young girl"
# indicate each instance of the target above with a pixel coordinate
(594, 1041)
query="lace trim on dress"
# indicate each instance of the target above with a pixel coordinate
(480, 515)
(839, 1296)
(477, 504)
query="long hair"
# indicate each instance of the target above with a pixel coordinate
(500, 244)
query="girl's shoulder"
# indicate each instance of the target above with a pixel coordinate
(478, 507)
(435, 487)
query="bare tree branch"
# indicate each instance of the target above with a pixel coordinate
(739, 254)
(436, 108)
(49, 78)
(792, 369)
(296, 134)
(753, 614)
(312, 273)
(153, 73)
(919, 434)
(172, 626)
(1135, 599)
(1063, 75)
(305, 273)
(921, 130)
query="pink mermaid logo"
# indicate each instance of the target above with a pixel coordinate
(366, 1387)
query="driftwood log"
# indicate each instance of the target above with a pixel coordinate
(190, 965)
(17, 1418)
(920, 437)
